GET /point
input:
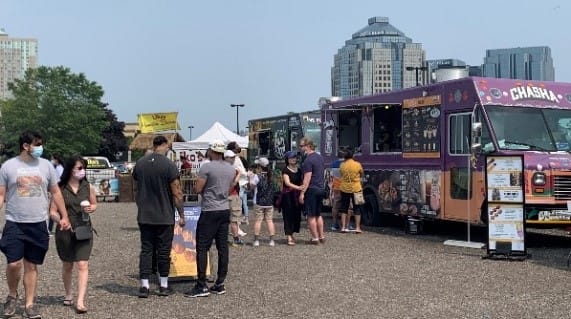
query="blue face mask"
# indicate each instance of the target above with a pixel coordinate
(37, 151)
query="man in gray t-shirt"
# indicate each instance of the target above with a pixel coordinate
(215, 179)
(25, 181)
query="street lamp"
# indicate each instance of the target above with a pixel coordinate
(416, 69)
(237, 106)
(190, 127)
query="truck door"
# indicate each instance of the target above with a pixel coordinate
(458, 191)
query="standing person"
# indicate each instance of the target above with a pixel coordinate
(215, 179)
(351, 174)
(241, 163)
(235, 203)
(264, 207)
(75, 190)
(57, 161)
(24, 181)
(291, 208)
(313, 190)
(158, 195)
(335, 191)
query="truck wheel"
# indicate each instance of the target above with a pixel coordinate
(370, 215)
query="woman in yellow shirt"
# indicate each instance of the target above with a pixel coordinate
(351, 172)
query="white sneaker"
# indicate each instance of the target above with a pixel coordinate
(272, 243)
(246, 220)
(241, 233)
(256, 243)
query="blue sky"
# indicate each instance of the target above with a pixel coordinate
(198, 57)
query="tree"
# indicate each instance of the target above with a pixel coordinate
(114, 141)
(64, 107)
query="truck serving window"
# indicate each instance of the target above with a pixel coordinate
(387, 128)
(349, 129)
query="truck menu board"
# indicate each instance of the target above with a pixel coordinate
(506, 231)
(420, 128)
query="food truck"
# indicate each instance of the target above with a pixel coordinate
(272, 137)
(425, 149)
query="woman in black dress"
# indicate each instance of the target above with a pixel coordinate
(291, 209)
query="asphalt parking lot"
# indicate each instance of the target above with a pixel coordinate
(382, 273)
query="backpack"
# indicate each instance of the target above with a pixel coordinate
(265, 194)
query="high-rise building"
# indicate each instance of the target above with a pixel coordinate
(531, 63)
(378, 58)
(16, 56)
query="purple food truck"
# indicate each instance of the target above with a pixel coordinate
(418, 150)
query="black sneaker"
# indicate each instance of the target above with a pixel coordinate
(218, 289)
(164, 291)
(143, 292)
(197, 291)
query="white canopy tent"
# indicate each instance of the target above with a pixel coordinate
(216, 132)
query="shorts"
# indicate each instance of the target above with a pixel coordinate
(347, 204)
(235, 208)
(313, 201)
(264, 212)
(29, 241)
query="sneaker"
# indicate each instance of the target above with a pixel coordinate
(256, 243)
(197, 291)
(241, 233)
(143, 292)
(218, 289)
(164, 291)
(351, 227)
(10, 306)
(272, 243)
(335, 227)
(237, 243)
(246, 220)
(32, 312)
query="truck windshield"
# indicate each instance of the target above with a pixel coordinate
(524, 128)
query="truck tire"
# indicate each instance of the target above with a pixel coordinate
(370, 215)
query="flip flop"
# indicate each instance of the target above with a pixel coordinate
(68, 302)
(80, 311)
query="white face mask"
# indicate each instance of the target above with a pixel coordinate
(79, 174)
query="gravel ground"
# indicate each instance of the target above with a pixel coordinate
(382, 273)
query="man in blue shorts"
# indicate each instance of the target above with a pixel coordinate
(24, 184)
(313, 190)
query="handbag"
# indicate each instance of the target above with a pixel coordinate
(83, 232)
(358, 198)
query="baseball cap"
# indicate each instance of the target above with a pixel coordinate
(262, 161)
(217, 146)
(229, 153)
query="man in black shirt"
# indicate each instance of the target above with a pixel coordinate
(158, 194)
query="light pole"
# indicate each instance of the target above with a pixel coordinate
(190, 127)
(416, 69)
(237, 106)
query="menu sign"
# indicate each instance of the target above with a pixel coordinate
(421, 119)
(504, 176)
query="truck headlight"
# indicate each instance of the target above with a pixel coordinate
(538, 179)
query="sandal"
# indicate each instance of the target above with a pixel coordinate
(68, 302)
(80, 311)
(291, 242)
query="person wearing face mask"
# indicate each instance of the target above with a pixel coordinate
(57, 162)
(159, 192)
(25, 181)
(76, 191)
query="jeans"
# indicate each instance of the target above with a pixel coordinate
(212, 225)
(244, 199)
(155, 238)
